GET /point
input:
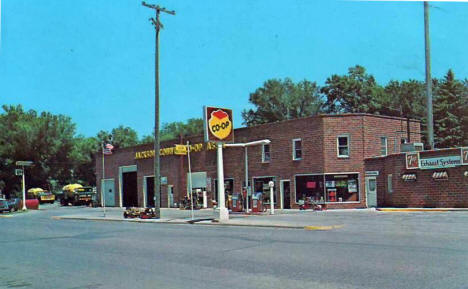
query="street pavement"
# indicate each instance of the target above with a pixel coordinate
(369, 249)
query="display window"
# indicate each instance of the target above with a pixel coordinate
(342, 188)
(260, 185)
(310, 186)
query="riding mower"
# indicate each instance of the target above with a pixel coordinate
(142, 213)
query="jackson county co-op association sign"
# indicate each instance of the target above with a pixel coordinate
(219, 126)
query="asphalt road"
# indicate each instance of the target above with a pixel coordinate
(39, 252)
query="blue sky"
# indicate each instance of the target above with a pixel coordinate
(94, 59)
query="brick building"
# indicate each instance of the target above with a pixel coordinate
(438, 178)
(321, 157)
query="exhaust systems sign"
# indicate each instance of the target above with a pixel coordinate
(218, 124)
(440, 162)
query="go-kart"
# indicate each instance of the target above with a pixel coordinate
(142, 213)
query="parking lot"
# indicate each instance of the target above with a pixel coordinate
(369, 249)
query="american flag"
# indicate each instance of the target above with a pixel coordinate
(108, 149)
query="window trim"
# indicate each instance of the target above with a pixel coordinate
(263, 153)
(338, 146)
(386, 146)
(294, 149)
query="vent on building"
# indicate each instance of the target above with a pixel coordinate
(412, 147)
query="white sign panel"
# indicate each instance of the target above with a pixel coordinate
(439, 162)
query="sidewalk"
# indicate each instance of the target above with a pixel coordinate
(293, 219)
(421, 209)
(351, 219)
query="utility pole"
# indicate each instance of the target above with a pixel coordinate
(430, 121)
(157, 175)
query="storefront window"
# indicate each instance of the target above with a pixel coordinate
(261, 186)
(310, 186)
(342, 188)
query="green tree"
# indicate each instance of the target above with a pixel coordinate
(83, 157)
(450, 112)
(193, 126)
(120, 137)
(280, 100)
(352, 93)
(404, 99)
(45, 139)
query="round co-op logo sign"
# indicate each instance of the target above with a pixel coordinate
(220, 124)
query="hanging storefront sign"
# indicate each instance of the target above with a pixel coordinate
(176, 150)
(412, 160)
(219, 125)
(440, 162)
(464, 156)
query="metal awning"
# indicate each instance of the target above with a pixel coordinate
(440, 175)
(408, 177)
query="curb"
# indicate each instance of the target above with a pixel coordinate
(308, 228)
(421, 210)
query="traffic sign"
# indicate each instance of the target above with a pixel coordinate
(18, 172)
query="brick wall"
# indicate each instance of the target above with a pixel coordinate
(425, 191)
(319, 154)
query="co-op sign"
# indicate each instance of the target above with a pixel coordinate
(414, 161)
(219, 126)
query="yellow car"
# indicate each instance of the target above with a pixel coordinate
(42, 195)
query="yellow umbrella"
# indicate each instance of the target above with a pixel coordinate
(35, 190)
(71, 187)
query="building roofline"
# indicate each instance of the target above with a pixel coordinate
(284, 121)
(454, 149)
(323, 115)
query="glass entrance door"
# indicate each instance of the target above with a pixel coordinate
(371, 192)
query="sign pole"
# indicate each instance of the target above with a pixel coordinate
(24, 190)
(103, 199)
(246, 180)
(223, 211)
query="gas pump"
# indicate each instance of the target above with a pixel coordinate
(257, 202)
(237, 202)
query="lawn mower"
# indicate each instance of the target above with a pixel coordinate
(142, 213)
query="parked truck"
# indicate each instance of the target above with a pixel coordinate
(41, 195)
(76, 194)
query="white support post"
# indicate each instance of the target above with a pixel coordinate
(223, 211)
(246, 179)
(24, 190)
(271, 184)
